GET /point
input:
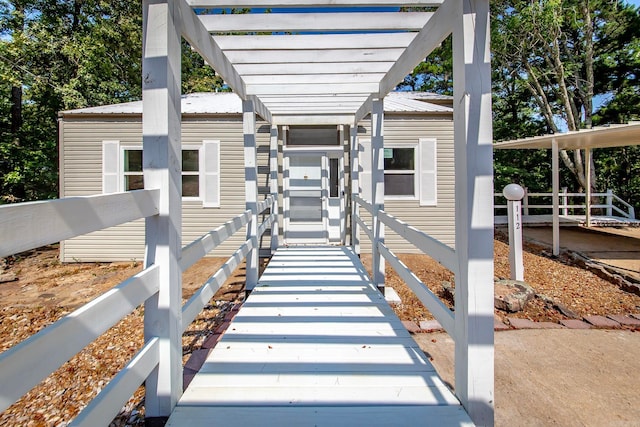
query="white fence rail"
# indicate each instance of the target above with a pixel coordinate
(570, 203)
(30, 225)
(435, 249)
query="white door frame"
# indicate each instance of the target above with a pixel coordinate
(326, 152)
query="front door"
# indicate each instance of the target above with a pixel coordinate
(313, 199)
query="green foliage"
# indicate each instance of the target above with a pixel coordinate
(65, 54)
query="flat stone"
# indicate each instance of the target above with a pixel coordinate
(522, 323)
(197, 359)
(548, 325)
(8, 277)
(430, 325)
(412, 327)
(512, 295)
(624, 320)
(575, 324)
(391, 296)
(601, 322)
(499, 325)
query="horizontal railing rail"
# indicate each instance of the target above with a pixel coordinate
(439, 310)
(567, 203)
(22, 367)
(426, 244)
(33, 224)
(110, 399)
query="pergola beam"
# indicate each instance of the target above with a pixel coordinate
(312, 55)
(310, 3)
(315, 41)
(307, 89)
(314, 69)
(315, 79)
(315, 119)
(430, 36)
(200, 40)
(325, 22)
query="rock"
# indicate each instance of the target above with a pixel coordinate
(449, 290)
(512, 295)
(8, 277)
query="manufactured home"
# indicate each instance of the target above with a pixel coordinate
(101, 152)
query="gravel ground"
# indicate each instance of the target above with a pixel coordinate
(47, 290)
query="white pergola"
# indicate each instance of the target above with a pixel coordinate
(587, 139)
(330, 62)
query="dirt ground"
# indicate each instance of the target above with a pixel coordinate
(556, 377)
(46, 290)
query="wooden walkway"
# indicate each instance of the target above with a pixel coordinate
(315, 344)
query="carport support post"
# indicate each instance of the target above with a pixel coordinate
(474, 346)
(355, 188)
(377, 188)
(251, 190)
(587, 179)
(555, 186)
(273, 182)
(162, 170)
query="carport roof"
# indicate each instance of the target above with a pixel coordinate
(599, 137)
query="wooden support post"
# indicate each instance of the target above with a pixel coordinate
(555, 184)
(251, 190)
(273, 182)
(377, 189)
(355, 188)
(162, 160)
(525, 201)
(587, 178)
(474, 341)
(609, 202)
(565, 201)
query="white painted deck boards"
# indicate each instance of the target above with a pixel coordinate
(315, 344)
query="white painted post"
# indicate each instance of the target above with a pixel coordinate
(514, 193)
(565, 202)
(355, 188)
(526, 201)
(587, 178)
(555, 184)
(273, 182)
(377, 190)
(473, 144)
(251, 190)
(609, 202)
(162, 160)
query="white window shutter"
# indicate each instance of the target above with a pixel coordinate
(428, 172)
(110, 166)
(365, 169)
(210, 173)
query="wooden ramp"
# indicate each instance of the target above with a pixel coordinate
(315, 344)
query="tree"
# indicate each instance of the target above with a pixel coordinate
(65, 54)
(558, 50)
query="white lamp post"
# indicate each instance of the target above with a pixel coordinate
(514, 194)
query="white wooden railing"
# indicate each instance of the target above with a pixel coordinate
(29, 225)
(572, 202)
(428, 245)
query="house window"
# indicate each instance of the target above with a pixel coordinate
(400, 172)
(134, 179)
(410, 171)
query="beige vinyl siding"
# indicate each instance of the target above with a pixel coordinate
(82, 157)
(437, 221)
